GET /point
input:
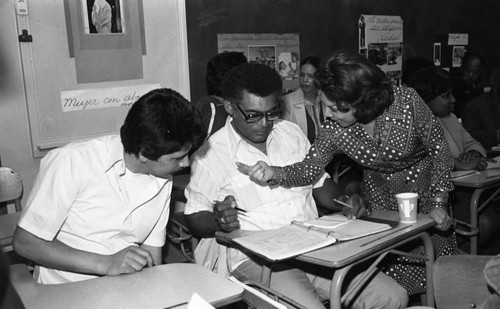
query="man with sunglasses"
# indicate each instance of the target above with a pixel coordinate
(219, 197)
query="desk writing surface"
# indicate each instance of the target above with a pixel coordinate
(157, 287)
(343, 253)
(479, 179)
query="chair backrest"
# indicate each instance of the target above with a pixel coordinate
(11, 187)
(11, 191)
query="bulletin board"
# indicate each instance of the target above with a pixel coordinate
(281, 51)
(81, 84)
(381, 41)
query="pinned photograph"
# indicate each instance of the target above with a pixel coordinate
(437, 54)
(102, 16)
(457, 54)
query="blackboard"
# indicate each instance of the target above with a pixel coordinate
(326, 25)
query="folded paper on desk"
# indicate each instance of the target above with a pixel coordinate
(302, 237)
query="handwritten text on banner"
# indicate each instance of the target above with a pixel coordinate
(81, 100)
(383, 29)
(458, 38)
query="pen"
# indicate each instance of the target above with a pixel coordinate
(241, 211)
(342, 203)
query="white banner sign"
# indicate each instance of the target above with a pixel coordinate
(80, 100)
(458, 38)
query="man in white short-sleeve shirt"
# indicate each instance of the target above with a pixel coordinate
(254, 133)
(100, 207)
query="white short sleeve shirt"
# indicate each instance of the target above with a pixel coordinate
(82, 198)
(214, 175)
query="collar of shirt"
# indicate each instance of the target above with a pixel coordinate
(115, 156)
(236, 142)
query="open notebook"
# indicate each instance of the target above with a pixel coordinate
(302, 237)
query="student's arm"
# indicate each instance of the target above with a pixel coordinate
(325, 195)
(57, 255)
(155, 253)
(223, 218)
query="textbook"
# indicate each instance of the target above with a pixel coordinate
(302, 237)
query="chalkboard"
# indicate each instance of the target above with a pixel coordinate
(81, 85)
(326, 25)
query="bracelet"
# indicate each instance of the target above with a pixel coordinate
(438, 199)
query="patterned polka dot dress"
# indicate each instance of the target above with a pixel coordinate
(407, 153)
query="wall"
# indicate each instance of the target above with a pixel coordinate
(15, 143)
(164, 63)
(326, 25)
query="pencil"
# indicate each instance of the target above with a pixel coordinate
(241, 211)
(342, 203)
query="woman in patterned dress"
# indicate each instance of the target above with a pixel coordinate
(393, 135)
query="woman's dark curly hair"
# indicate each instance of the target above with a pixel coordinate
(352, 80)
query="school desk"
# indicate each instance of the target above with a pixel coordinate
(164, 286)
(343, 256)
(479, 182)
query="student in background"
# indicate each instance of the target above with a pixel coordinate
(394, 136)
(254, 132)
(434, 87)
(100, 207)
(303, 105)
(481, 116)
(468, 81)
(211, 107)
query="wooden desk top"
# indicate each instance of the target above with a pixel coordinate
(479, 179)
(161, 286)
(344, 253)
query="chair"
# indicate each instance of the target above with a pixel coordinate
(461, 281)
(178, 234)
(11, 191)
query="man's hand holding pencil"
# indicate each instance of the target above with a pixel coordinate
(227, 213)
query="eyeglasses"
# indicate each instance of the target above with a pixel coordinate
(256, 117)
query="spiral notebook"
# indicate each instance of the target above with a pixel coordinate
(302, 237)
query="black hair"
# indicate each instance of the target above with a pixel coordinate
(353, 80)
(161, 122)
(217, 66)
(315, 61)
(255, 78)
(430, 82)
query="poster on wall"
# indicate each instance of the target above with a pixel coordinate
(381, 41)
(277, 50)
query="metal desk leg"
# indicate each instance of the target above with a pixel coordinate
(429, 253)
(473, 218)
(336, 287)
(265, 275)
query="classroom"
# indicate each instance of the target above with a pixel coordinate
(65, 78)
